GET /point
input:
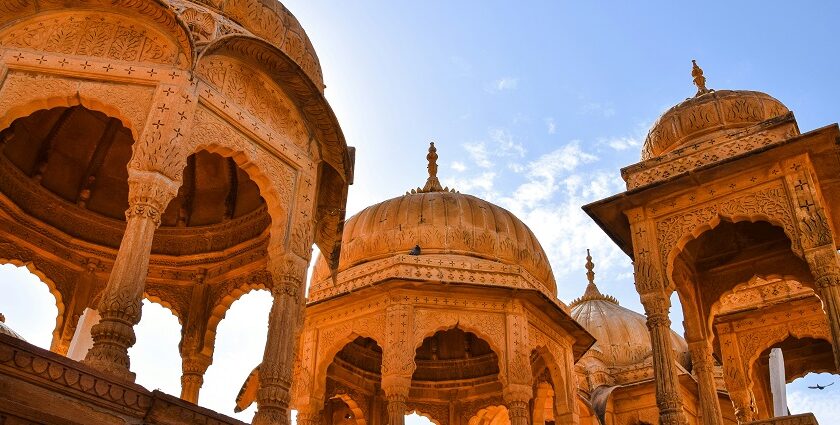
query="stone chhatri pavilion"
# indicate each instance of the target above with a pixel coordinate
(182, 151)
(445, 305)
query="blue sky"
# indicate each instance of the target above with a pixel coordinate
(534, 106)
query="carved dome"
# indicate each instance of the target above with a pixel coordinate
(621, 334)
(439, 221)
(706, 115)
(266, 19)
(6, 330)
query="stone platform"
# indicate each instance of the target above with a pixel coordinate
(40, 387)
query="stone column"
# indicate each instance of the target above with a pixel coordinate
(734, 374)
(668, 400)
(517, 398)
(703, 365)
(823, 264)
(396, 407)
(149, 193)
(193, 368)
(398, 358)
(289, 275)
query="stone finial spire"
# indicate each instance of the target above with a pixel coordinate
(699, 79)
(591, 292)
(591, 289)
(432, 183)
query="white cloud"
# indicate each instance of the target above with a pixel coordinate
(504, 84)
(505, 143)
(483, 182)
(478, 153)
(622, 143)
(458, 166)
(551, 126)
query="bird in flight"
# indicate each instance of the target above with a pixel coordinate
(820, 387)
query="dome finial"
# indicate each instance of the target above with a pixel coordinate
(591, 288)
(432, 183)
(591, 292)
(2, 318)
(699, 79)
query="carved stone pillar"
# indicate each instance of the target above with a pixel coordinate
(734, 374)
(517, 398)
(823, 264)
(397, 408)
(194, 363)
(398, 359)
(192, 376)
(149, 193)
(667, 387)
(289, 275)
(704, 367)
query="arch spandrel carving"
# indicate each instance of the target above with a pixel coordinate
(23, 93)
(486, 325)
(770, 203)
(275, 178)
(149, 31)
(330, 341)
(258, 96)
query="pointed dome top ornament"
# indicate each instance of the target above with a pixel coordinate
(592, 292)
(432, 183)
(699, 79)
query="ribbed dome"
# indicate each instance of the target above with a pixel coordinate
(621, 334)
(6, 330)
(707, 114)
(440, 221)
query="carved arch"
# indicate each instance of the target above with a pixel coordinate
(490, 415)
(124, 41)
(320, 121)
(21, 95)
(491, 327)
(561, 383)
(769, 204)
(756, 342)
(331, 340)
(274, 178)
(358, 414)
(51, 285)
(156, 299)
(420, 412)
(222, 298)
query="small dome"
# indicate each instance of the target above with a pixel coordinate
(707, 114)
(6, 330)
(439, 221)
(621, 334)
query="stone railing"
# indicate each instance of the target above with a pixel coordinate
(802, 419)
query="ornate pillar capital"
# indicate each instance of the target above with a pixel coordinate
(517, 398)
(823, 262)
(149, 192)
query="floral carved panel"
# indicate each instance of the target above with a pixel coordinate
(98, 35)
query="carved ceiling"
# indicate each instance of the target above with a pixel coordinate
(78, 157)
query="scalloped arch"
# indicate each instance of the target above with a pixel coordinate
(51, 286)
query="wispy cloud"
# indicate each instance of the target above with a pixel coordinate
(550, 126)
(622, 143)
(506, 144)
(458, 166)
(504, 84)
(478, 153)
